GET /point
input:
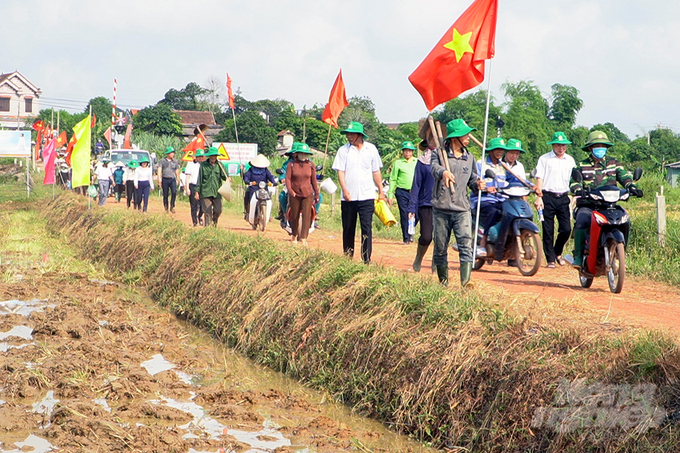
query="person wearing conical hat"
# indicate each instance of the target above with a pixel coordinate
(210, 176)
(553, 172)
(598, 170)
(491, 206)
(191, 179)
(401, 180)
(168, 176)
(258, 172)
(358, 165)
(451, 209)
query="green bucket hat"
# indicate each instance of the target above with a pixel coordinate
(497, 143)
(299, 147)
(144, 159)
(169, 150)
(354, 128)
(457, 128)
(559, 138)
(515, 145)
(133, 164)
(199, 153)
(597, 138)
(408, 145)
(212, 151)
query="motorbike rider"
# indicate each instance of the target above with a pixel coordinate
(598, 170)
(492, 201)
(283, 196)
(257, 173)
(513, 150)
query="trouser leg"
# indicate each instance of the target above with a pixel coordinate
(366, 210)
(306, 210)
(173, 193)
(217, 209)
(206, 204)
(462, 229)
(564, 225)
(194, 203)
(165, 185)
(426, 225)
(348, 213)
(548, 225)
(403, 198)
(442, 236)
(295, 205)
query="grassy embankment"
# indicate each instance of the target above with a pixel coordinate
(440, 364)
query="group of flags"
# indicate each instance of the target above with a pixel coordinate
(455, 65)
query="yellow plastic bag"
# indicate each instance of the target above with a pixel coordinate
(382, 210)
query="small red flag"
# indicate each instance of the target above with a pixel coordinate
(94, 121)
(230, 92)
(38, 142)
(127, 143)
(337, 102)
(38, 125)
(456, 63)
(69, 149)
(61, 140)
(107, 136)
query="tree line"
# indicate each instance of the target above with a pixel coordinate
(524, 113)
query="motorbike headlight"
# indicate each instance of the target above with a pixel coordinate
(610, 196)
(262, 185)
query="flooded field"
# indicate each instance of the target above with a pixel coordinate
(92, 365)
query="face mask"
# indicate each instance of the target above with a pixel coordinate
(599, 152)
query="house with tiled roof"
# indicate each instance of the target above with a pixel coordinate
(191, 119)
(19, 100)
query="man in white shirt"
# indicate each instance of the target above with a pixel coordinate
(191, 175)
(553, 172)
(105, 178)
(358, 165)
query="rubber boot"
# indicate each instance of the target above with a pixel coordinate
(420, 253)
(443, 274)
(579, 244)
(465, 272)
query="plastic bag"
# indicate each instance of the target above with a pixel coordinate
(382, 210)
(92, 191)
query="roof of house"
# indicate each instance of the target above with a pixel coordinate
(673, 165)
(284, 132)
(195, 118)
(8, 80)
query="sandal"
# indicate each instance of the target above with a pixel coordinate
(561, 261)
(551, 266)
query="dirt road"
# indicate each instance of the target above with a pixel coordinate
(553, 294)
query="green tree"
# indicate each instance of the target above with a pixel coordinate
(361, 110)
(274, 109)
(190, 97)
(252, 128)
(159, 119)
(564, 107)
(472, 109)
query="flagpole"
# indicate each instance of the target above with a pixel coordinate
(479, 195)
(325, 153)
(235, 128)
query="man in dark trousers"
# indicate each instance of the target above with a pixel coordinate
(168, 175)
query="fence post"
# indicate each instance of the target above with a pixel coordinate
(661, 218)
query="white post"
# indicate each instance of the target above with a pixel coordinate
(661, 218)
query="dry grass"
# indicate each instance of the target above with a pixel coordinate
(442, 365)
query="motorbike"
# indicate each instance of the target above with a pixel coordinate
(283, 200)
(515, 237)
(605, 248)
(260, 206)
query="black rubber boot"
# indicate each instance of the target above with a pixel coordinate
(465, 272)
(443, 274)
(420, 253)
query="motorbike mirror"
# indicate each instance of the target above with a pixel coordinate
(279, 171)
(576, 175)
(532, 175)
(319, 167)
(637, 174)
(489, 174)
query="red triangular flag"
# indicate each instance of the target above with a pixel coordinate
(337, 102)
(69, 149)
(94, 121)
(107, 136)
(456, 63)
(127, 144)
(230, 92)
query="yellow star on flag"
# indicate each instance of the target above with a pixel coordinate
(460, 44)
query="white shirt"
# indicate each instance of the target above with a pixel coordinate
(129, 174)
(555, 172)
(144, 174)
(103, 173)
(191, 173)
(359, 166)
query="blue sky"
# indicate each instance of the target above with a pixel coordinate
(620, 55)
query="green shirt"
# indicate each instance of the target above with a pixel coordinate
(210, 179)
(402, 175)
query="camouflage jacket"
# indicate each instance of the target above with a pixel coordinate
(606, 172)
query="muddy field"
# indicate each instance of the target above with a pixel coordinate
(90, 365)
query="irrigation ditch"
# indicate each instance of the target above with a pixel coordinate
(442, 365)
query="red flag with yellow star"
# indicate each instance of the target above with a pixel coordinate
(456, 63)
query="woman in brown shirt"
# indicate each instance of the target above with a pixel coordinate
(303, 191)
